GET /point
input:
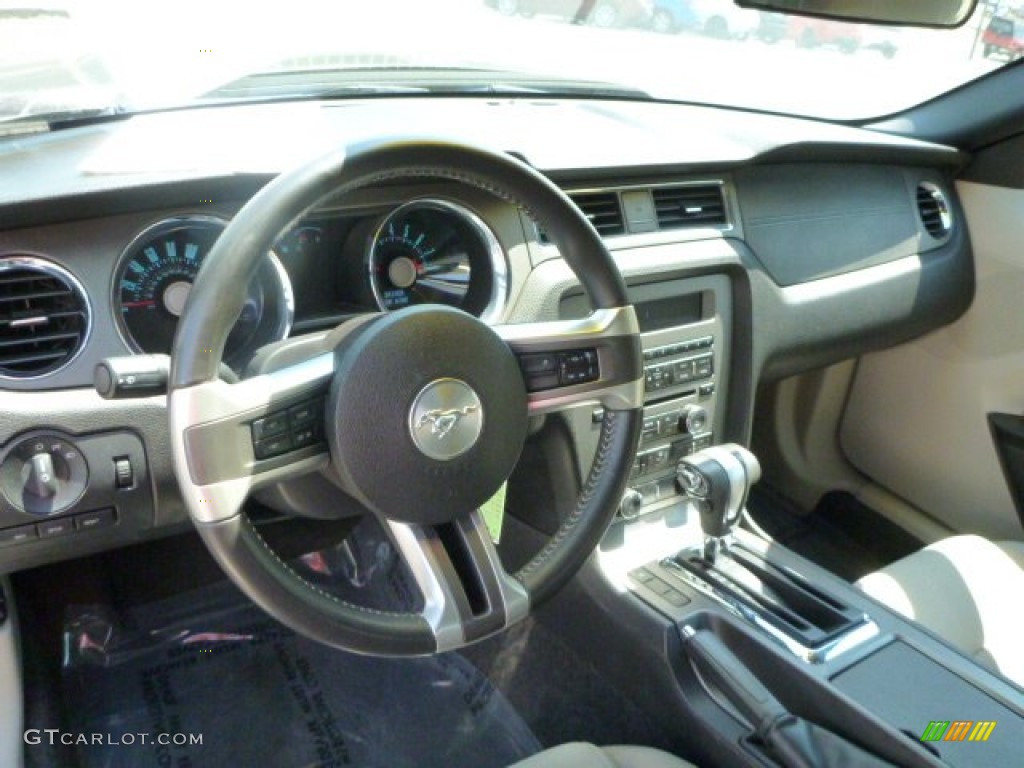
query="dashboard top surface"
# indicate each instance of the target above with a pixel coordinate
(265, 139)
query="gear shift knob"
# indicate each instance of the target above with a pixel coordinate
(718, 480)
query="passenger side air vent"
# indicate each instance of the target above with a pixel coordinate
(44, 317)
(604, 211)
(934, 210)
(690, 205)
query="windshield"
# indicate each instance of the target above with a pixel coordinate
(82, 57)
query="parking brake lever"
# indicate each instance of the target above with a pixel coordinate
(793, 742)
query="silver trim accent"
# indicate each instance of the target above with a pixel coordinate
(286, 293)
(515, 599)
(938, 194)
(454, 414)
(495, 307)
(439, 607)
(849, 640)
(226, 408)
(599, 325)
(58, 271)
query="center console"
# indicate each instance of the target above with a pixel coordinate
(686, 329)
(683, 583)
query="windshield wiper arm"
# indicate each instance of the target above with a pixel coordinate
(44, 122)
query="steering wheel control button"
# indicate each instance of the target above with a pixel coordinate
(305, 413)
(577, 367)
(273, 425)
(446, 419)
(272, 446)
(305, 436)
(288, 429)
(559, 369)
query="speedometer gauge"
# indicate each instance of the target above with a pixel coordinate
(436, 252)
(155, 276)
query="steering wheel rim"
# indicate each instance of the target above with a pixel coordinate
(211, 420)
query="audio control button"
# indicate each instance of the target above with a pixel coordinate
(683, 371)
(651, 429)
(669, 424)
(703, 366)
(657, 458)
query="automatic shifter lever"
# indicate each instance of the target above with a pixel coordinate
(718, 480)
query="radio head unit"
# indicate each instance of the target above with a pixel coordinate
(685, 329)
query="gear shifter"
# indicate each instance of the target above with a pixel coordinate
(718, 480)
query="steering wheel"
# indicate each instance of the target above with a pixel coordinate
(420, 414)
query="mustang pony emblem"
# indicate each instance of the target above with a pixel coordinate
(443, 420)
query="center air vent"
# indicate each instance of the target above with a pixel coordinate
(603, 210)
(934, 210)
(44, 317)
(691, 205)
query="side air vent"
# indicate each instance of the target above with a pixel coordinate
(934, 210)
(691, 205)
(44, 317)
(604, 211)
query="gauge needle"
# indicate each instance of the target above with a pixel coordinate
(134, 304)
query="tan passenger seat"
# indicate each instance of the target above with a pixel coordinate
(583, 755)
(967, 590)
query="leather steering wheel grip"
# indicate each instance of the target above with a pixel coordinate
(216, 300)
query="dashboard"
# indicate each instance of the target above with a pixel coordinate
(753, 246)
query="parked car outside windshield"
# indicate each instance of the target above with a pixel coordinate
(155, 54)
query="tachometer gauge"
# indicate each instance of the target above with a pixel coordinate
(155, 276)
(436, 252)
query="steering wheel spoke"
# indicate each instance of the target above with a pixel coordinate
(467, 593)
(567, 363)
(238, 437)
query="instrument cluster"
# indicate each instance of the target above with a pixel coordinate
(327, 267)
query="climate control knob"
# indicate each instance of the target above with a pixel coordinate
(693, 420)
(43, 473)
(629, 507)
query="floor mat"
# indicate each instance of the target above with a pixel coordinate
(204, 679)
(841, 534)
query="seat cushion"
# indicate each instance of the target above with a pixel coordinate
(965, 589)
(582, 755)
